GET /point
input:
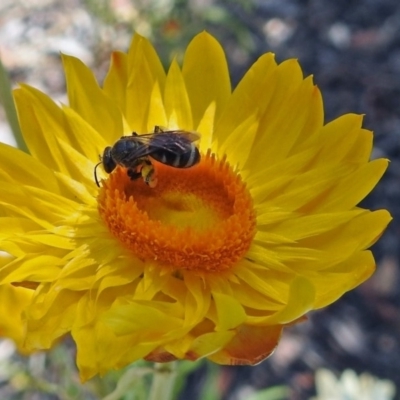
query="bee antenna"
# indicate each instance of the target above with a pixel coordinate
(95, 173)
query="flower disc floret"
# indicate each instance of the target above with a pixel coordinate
(199, 218)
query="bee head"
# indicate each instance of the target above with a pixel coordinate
(108, 163)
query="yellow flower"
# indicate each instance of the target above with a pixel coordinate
(215, 259)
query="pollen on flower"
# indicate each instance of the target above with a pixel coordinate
(200, 218)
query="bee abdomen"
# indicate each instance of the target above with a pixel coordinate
(190, 158)
(178, 160)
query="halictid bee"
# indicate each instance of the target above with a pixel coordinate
(175, 148)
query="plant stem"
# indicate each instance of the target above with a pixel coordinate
(163, 383)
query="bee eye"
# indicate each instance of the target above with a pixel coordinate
(108, 162)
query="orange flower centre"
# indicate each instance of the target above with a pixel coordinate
(200, 218)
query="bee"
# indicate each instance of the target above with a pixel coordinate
(175, 148)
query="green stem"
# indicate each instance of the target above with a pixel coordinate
(163, 384)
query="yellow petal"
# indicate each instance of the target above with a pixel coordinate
(11, 226)
(269, 287)
(301, 298)
(206, 128)
(87, 141)
(356, 186)
(209, 343)
(48, 321)
(116, 79)
(206, 76)
(343, 138)
(239, 142)
(281, 174)
(315, 224)
(156, 114)
(332, 283)
(41, 268)
(141, 318)
(75, 190)
(257, 83)
(79, 167)
(100, 351)
(86, 98)
(292, 119)
(41, 123)
(145, 71)
(266, 257)
(230, 312)
(176, 100)
(340, 243)
(26, 169)
(11, 323)
(197, 302)
(44, 206)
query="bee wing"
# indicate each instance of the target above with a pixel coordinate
(145, 139)
(192, 136)
(175, 142)
(172, 141)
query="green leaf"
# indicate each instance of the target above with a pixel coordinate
(210, 389)
(129, 382)
(273, 393)
(6, 99)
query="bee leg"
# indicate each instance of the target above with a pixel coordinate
(129, 136)
(159, 129)
(134, 174)
(149, 175)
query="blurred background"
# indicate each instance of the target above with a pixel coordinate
(352, 48)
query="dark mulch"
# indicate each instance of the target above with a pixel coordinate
(353, 50)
